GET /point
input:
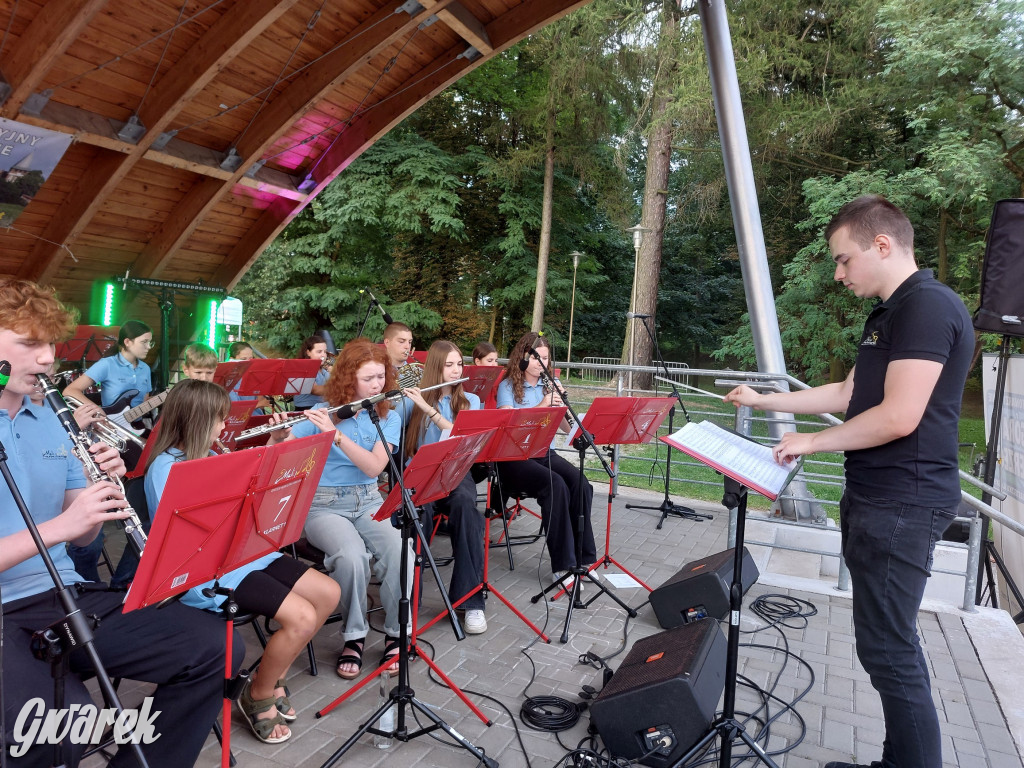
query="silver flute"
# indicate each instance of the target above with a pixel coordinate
(80, 443)
(393, 395)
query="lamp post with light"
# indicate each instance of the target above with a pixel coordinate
(572, 306)
(638, 232)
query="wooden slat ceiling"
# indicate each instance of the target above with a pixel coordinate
(296, 89)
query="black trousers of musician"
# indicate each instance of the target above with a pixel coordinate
(181, 649)
(466, 527)
(555, 483)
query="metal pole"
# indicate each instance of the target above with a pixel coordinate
(739, 174)
(572, 309)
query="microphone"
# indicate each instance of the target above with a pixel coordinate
(349, 410)
(5, 375)
(387, 318)
(636, 315)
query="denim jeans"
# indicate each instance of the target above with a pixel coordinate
(888, 547)
(341, 523)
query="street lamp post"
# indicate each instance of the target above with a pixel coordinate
(638, 238)
(572, 307)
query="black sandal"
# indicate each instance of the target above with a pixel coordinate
(351, 653)
(390, 655)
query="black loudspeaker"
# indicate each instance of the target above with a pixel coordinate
(700, 589)
(664, 695)
(1001, 309)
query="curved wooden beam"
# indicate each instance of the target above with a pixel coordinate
(46, 38)
(224, 40)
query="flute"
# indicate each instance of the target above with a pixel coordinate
(395, 394)
(132, 526)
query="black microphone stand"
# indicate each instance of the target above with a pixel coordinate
(74, 630)
(369, 309)
(402, 695)
(583, 442)
(667, 507)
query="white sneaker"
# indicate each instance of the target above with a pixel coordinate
(567, 583)
(475, 622)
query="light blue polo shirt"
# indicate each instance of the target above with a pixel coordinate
(40, 459)
(340, 470)
(305, 402)
(156, 480)
(444, 407)
(116, 376)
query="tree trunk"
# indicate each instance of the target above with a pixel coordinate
(544, 248)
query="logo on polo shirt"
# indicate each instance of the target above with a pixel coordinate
(61, 454)
(870, 341)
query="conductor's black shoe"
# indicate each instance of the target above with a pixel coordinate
(839, 764)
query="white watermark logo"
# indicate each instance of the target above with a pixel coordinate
(82, 724)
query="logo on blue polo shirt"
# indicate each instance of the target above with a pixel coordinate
(62, 454)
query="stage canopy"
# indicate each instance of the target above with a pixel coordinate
(199, 128)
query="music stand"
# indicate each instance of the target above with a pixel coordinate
(744, 463)
(219, 513)
(433, 473)
(623, 421)
(89, 344)
(483, 382)
(519, 434)
(237, 419)
(268, 377)
(402, 695)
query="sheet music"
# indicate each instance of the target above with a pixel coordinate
(747, 461)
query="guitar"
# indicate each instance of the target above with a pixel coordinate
(124, 416)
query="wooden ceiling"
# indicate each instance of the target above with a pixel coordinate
(248, 108)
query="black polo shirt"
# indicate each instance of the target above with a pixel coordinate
(922, 320)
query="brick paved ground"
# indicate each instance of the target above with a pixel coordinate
(840, 713)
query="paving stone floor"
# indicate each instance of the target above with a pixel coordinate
(839, 718)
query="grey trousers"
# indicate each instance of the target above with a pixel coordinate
(341, 523)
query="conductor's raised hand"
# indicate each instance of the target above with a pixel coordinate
(744, 395)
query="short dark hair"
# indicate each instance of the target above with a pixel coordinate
(869, 216)
(393, 329)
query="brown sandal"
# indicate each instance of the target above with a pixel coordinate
(262, 728)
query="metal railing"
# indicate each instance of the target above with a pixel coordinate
(602, 377)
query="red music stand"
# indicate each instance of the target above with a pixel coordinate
(483, 382)
(269, 377)
(519, 433)
(221, 512)
(623, 421)
(434, 472)
(89, 344)
(237, 419)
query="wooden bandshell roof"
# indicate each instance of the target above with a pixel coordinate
(201, 127)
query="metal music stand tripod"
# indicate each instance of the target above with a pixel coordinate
(402, 695)
(667, 507)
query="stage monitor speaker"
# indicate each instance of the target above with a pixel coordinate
(1001, 308)
(700, 589)
(666, 690)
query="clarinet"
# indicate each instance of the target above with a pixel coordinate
(80, 443)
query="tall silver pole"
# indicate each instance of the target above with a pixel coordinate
(746, 214)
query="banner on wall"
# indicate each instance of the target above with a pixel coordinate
(1009, 475)
(28, 156)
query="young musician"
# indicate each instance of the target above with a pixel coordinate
(484, 353)
(177, 647)
(436, 411)
(200, 362)
(240, 351)
(341, 520)
(122, 371)
(298, 598)
(552, 480)
(398, 343)
(313, 348)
